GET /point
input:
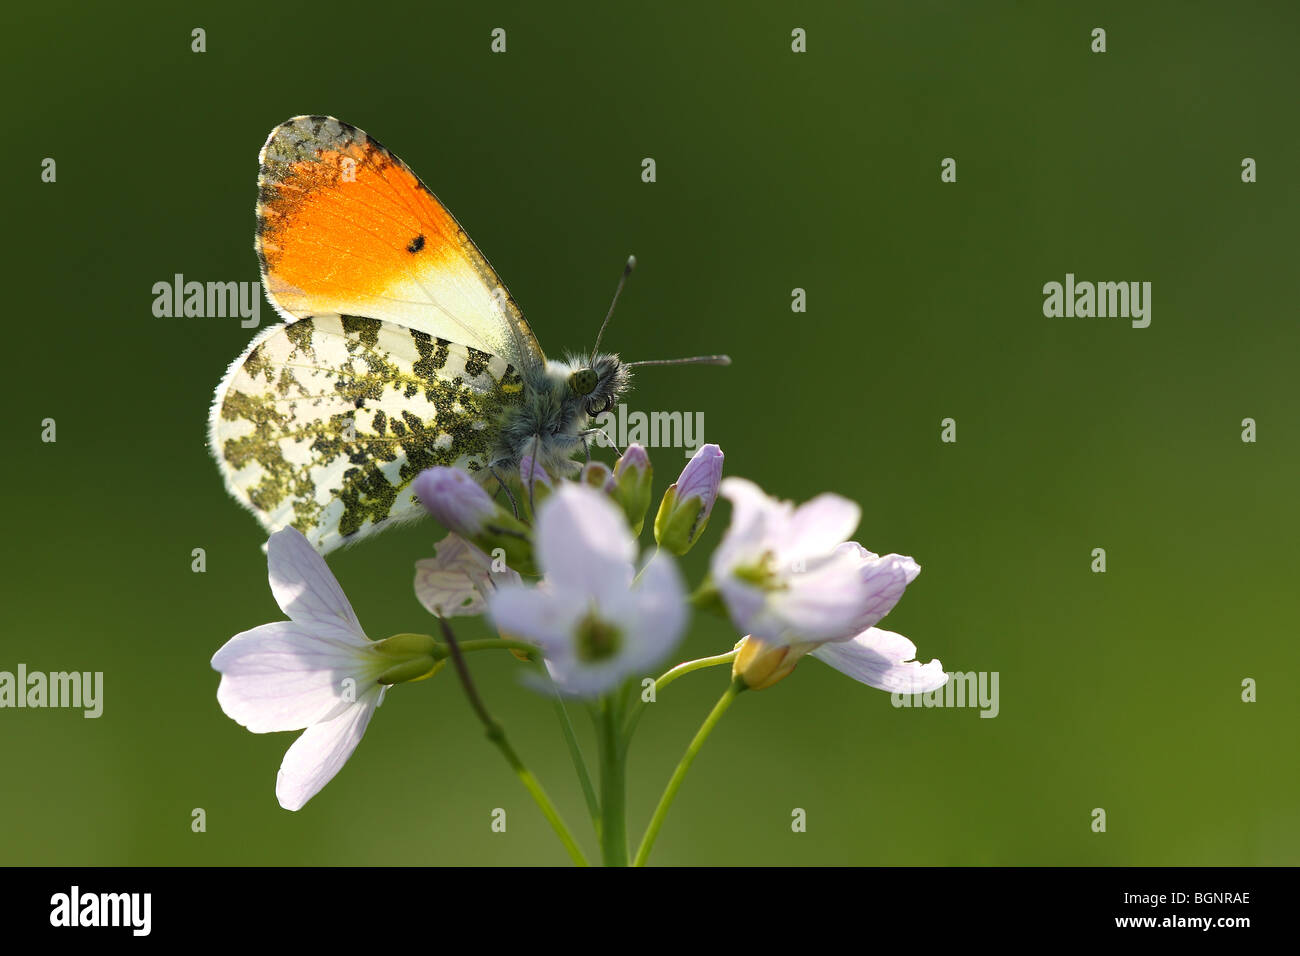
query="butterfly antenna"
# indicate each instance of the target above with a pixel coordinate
(622, 280)
(693, 360)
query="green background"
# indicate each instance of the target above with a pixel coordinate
(775, 170)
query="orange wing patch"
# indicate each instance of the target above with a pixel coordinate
(344, 226)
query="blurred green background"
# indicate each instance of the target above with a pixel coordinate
(775, 171)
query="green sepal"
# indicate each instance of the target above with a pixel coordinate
(632, 490)
(402, 647)
(678, 525)
(503, 530)
(417, 668)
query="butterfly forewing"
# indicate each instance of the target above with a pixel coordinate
(324, 422)
(345, 227)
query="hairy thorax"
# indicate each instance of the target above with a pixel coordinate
(552, 423)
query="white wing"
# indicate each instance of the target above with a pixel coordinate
(323, 423)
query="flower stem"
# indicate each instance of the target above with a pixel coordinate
(613, 796)
(492, 644)
(668, 677)
(496, 733)
(675, 782)
(575, 752)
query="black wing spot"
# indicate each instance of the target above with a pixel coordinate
(416, 244)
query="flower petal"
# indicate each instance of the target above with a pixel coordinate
(457, 581)
(282, 676)
(305, 588)
(753, 516)
(535, 615)
(583, 543)
(659, 613)
(884, 660)
(321, 752)
(458, 501)
(817, 526)
(838, 596)
(701, 478)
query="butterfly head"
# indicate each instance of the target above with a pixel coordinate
(597, 383)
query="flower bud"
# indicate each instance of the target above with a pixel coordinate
(598, 475)
(688, 502)
(761, 665)
(633, 478)
(462, 505)
(458, 501)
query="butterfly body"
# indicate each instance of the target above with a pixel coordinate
(552, 422)
(400, 350)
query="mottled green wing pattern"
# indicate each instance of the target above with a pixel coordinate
(323, 423)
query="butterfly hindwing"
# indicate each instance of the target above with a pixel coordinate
(345, 227)
(323, 423)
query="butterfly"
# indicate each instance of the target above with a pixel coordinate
(400, 350)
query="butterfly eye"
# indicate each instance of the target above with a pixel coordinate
(583, 381)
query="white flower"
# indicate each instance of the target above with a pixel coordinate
(317, 670)
(457, 581)
(790, 575)
(594, 625)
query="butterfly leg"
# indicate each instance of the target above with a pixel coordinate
(600, 431)
(532, 472)
(506, 488)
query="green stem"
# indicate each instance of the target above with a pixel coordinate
(675, 782)
(496, 733)
(670, 676)
(575, 752)
(613, 826)
(492, 644)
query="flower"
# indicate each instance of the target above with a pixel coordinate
(596, 626)
(788, 575)
(878, 658)
(458, 579)
(688, 502)
(633, 482)
(317, 671)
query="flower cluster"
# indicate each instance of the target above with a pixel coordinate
(555, 565)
